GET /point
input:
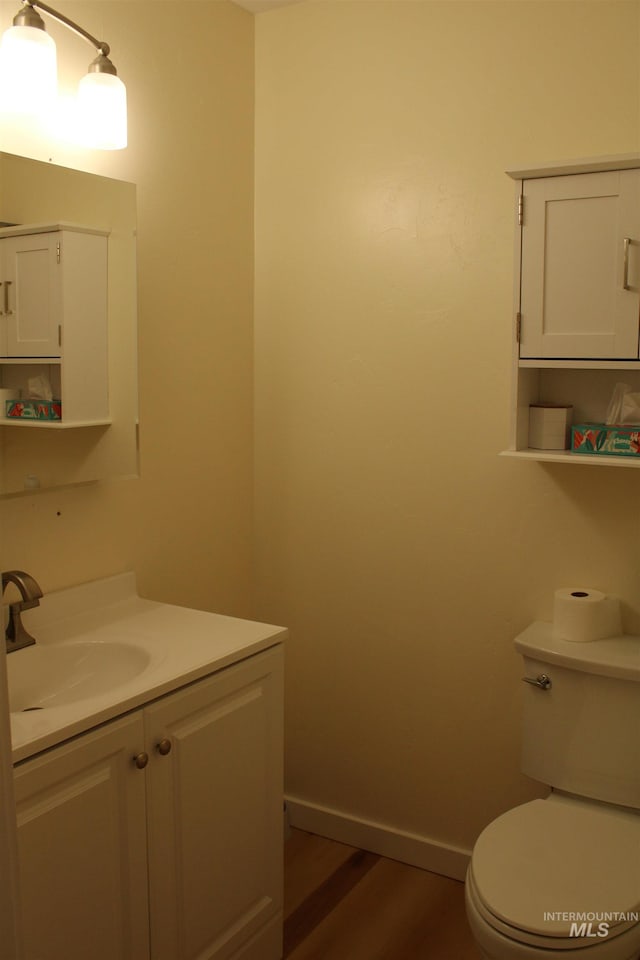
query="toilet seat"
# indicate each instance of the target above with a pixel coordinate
(550, 863)
(497, 941)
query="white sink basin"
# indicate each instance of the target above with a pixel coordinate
(52, 675)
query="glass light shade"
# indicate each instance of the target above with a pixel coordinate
(28, 74)
(102, 111)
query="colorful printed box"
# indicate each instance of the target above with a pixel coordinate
(619, 440)
(34, 409)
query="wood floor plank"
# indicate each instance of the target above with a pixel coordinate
(308, 861)
(323, 901)
(394, 912)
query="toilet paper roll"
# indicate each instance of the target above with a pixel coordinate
(7, 394)
(581, 615)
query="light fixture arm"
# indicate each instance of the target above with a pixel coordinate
(28, 16)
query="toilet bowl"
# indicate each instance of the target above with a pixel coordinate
(560, 878)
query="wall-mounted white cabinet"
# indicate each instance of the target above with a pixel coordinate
(53, 313)
(577, 293)
(31, 295)
(159, 834)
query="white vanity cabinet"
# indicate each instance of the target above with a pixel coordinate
(577, 293)
(215, 815)
(159, 834)
(53, 313)
(83, 848)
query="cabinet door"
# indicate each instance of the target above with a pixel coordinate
(215, 813)
(580, 275)
(82, 848)
(31, 295)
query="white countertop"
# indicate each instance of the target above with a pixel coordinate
(182, 644)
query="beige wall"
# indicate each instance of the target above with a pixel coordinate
(402, 552)
(185, 527)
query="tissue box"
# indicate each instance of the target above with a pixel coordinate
(34, 409)
(618, 440)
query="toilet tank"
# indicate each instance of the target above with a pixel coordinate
(582, 733)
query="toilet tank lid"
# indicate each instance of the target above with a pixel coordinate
(613, 657)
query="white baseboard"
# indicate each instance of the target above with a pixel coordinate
(449, 861)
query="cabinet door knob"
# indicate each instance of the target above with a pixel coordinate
(164, 746)
(141, 760)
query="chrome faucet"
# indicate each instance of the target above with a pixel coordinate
(15, 634)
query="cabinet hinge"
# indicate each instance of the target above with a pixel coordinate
(518, 326)
(58, 252)
(521, 209)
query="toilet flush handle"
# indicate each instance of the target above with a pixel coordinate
(542, 681)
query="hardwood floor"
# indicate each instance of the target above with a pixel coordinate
(347, 904)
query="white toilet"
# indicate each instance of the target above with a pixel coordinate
(561, 877)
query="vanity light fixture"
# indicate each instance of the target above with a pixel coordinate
(28, 78)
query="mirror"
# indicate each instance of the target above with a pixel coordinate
(38, 455)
